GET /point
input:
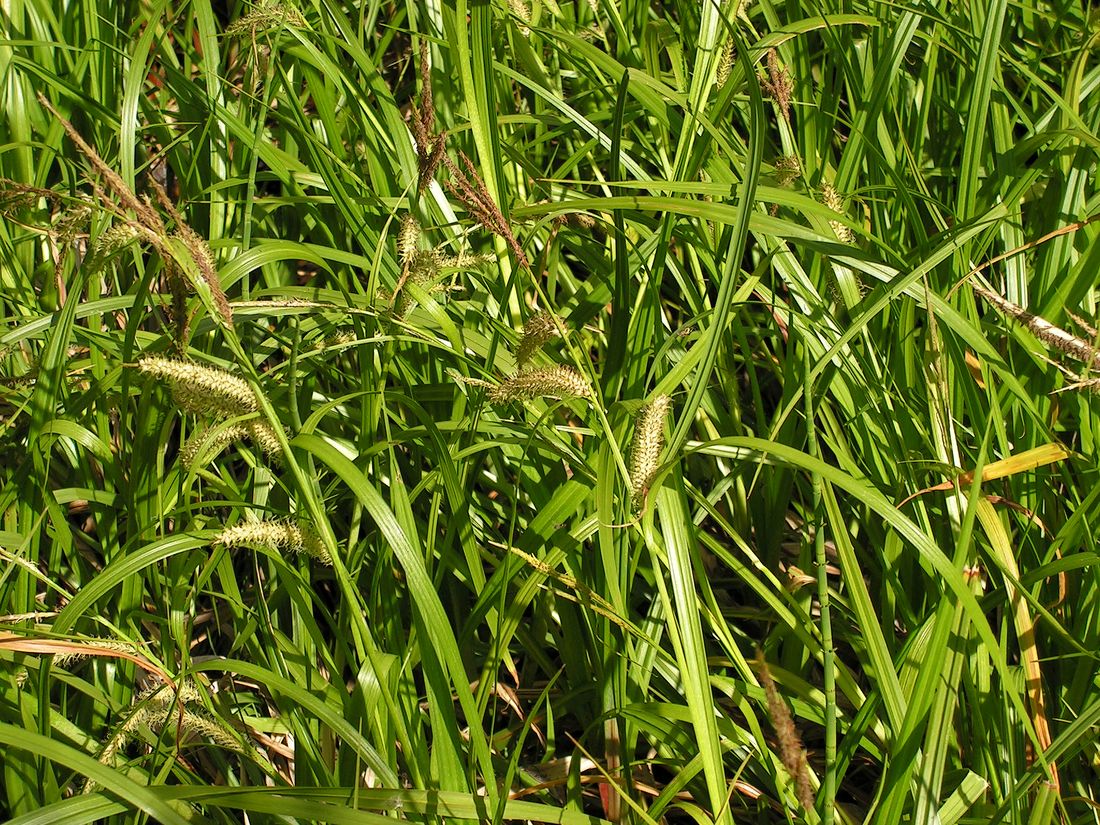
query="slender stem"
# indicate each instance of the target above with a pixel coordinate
(827, 795)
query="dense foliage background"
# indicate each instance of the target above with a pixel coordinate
(669, 568)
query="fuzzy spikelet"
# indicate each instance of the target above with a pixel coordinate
(266, 17)
(790, 745)
(202, 390)
(836, 203)
(550, 382)
(72, 222)
(519, 9)
(115, 239)
(787, 168)
(725, 62)
(539, 328)
(16, 197)
(407, 237)
(424, 269)
(211, 442)
(645, 454)
(281, 536)
(465, 260)
(203, 257)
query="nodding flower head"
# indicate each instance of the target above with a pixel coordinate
(212, 442)
(160, 707)
(550, 382)
(791, 752)
(279, 535)
(202, 390)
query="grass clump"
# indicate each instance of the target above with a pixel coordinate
(495, 577)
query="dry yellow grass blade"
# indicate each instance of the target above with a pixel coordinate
(1013, 465)
(1001, 547)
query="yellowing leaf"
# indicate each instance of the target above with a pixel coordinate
(1014, 464)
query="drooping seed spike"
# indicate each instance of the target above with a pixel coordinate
(202, 390)
(791, 752)
(1042, 329)
(279, 535)
(549, 382)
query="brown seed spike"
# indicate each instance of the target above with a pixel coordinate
(778, 85)
(470, 189)
(791, 752)
(1042, 329)
(114, 181)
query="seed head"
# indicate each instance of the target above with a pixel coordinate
(211, 442)
(649, 440)
(791, 752)
(465, 260)
(72, 657)
(834, 201)
(407, 237)
(203, 257)
(725, 62)
(540, 328)
(550, 382)
(202, 390)
(266, 17)
(116, 238)
(520, 10)
(778, 85)
(159, 707)
(787, 168)
(281, 536)
(72, 222)
(1043, 329)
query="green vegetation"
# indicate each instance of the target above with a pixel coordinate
(567, 412)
